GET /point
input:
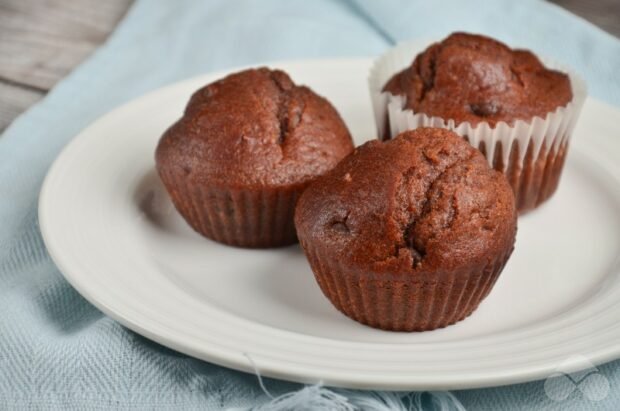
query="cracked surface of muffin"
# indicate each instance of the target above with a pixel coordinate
(410, 234)
(242, 153)
(474, 78)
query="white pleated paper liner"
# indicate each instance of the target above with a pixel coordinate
(553, 130)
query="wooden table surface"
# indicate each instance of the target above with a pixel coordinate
(41, 41)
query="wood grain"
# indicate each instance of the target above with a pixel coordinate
(41, 41)
(602, 13)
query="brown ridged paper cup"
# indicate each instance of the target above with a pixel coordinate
(259, 218)
(403, 302)
(530, 154)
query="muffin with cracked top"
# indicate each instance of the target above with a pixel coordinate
(410, 234)
(242, 153)
(474, 78)
(507, 103)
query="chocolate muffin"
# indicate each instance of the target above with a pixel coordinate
(474, 78)
(473, 84)
(242, 153)
(410, 234)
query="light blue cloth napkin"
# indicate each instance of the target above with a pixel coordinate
(58, 351)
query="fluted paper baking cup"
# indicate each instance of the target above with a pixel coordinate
(236, 216)
(530, 153)
(403, 303)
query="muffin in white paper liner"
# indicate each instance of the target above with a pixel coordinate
(530, 153)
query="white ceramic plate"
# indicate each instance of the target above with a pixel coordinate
(111, 229)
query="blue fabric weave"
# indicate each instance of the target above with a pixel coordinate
(56, 350)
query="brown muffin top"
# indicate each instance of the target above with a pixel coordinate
(425, 202)
(474, 78)
(255, 128)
